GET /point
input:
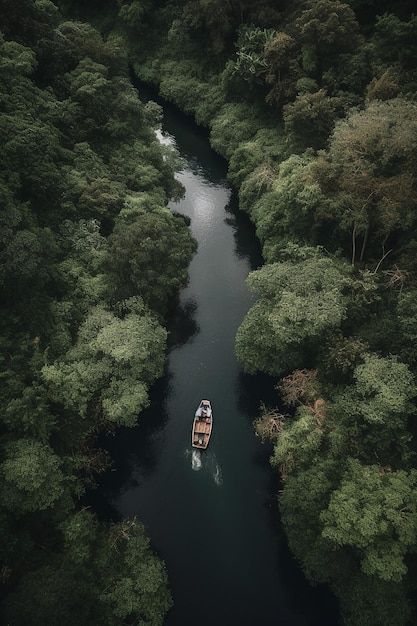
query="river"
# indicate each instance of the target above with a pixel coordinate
(210, 515)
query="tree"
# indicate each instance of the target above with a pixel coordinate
(103, 574)
(283, 68)
(383, 88)
(107, 373)
(16, 61)
(32, 477)
(266, 59)
(309, 120)
(374, 512)
(395, 43)
(211, 20)
(29, 23)
(300, 442)
(369, 601)
(251, 63)
(288, 208)
(149, 253)
(372, 156)
(326, 29)
(378, 407)
(305, 495)
(299, 303)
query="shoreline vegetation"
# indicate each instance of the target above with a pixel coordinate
(313, 104)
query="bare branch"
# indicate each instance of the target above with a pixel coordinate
(269, 424)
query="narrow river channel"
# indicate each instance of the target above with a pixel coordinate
(210, 515)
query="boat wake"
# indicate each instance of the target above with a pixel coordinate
(196, 461)
(215, 469)
(207, 461)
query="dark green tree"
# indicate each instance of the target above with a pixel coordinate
(310, 119)
(149, 253)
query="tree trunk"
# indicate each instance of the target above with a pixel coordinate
(353, 245)
(364, 242)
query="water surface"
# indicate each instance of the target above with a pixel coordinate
(211, 515)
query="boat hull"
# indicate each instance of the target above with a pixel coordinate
(202, 425)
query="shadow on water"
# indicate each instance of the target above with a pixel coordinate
(182, 325)
(134, 451)
(246, 244)
(318, 606)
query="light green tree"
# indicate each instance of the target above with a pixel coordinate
(107, 373)
(374, 511)
(299, 303)
(288, 209)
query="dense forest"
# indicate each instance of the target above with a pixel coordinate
(314, 105)
(90, 262)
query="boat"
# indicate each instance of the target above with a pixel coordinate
(202, 425)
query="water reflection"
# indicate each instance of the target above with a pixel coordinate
(183, 325)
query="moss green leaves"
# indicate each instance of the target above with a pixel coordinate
(375, 511)
(31, 475)
(108, 371)
(299, 304)
(149, 253)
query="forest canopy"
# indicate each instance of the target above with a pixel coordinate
(313, 103)
(82, 340)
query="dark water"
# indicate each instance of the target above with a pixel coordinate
(211, 515)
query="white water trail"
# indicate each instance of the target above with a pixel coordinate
(215, 469)
(218, 476)
(196, 462)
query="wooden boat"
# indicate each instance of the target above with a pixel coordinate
(202, 425)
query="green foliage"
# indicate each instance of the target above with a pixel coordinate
(211, 20)
(80, 163)
(106, 575)
(328, 27)
(383, 88)
(32, 479)
(149, 253)
(374, 511)
(298, 304)
(369, 601)
(266, 61)
(233, 125)
(251, 63)
(76, 143)
(287, 210)
(305, 495)
(373, 208)
(395, 47)
(256, 156)
(300, 443)
(28, 415)
(377, 409)
(109, 369)
(309, 120)
(133, 13)
(406, 312)
(384, 389)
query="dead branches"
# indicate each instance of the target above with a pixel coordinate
(269, 424)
